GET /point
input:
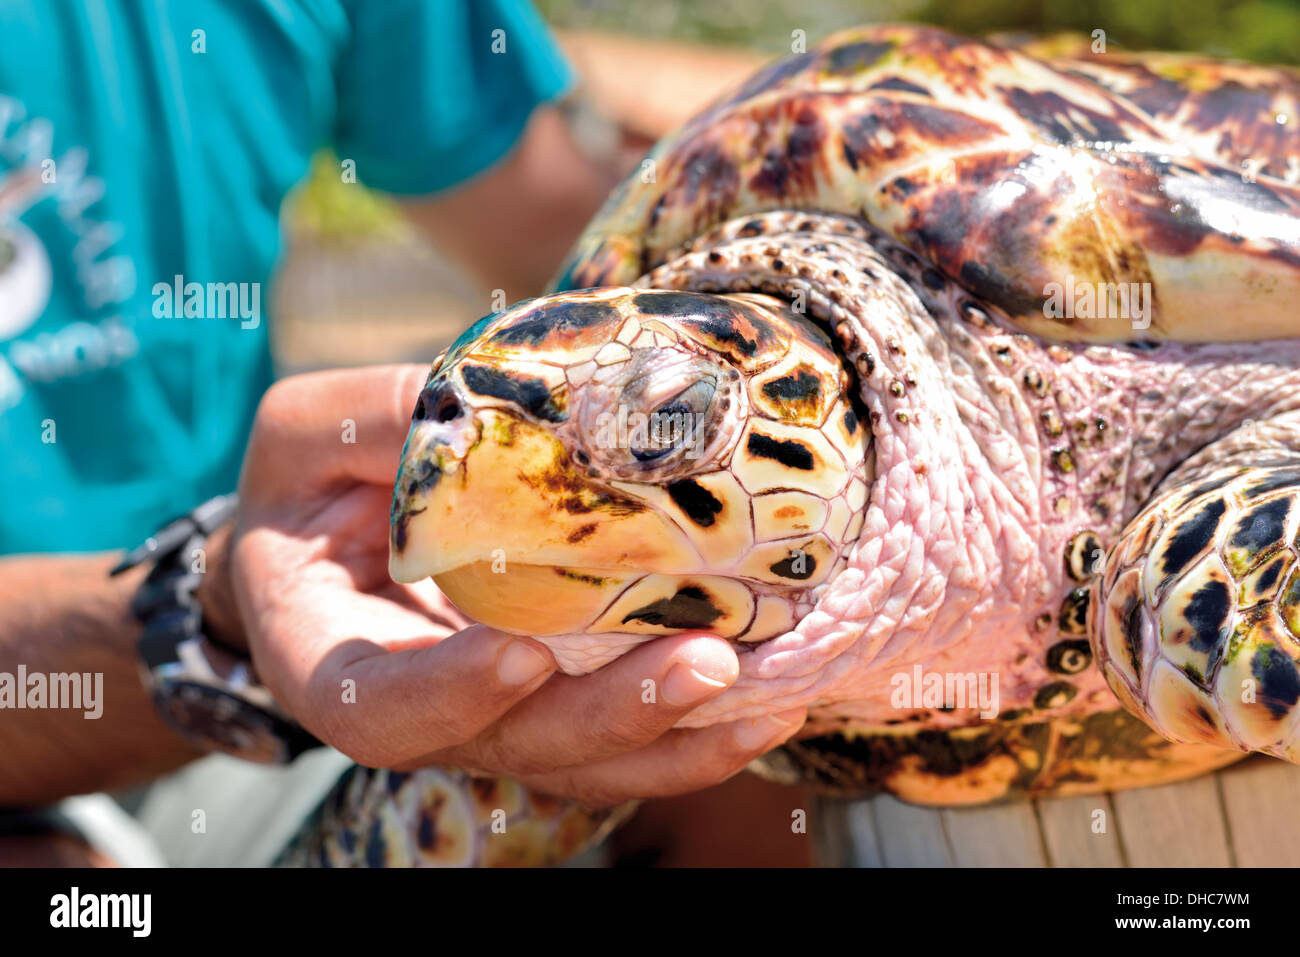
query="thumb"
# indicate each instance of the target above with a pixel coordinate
(323, 428)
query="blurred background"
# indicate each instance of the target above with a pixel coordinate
(360, 286)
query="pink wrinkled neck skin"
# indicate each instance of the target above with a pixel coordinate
(993, 450)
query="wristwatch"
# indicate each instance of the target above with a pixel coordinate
(207, 693)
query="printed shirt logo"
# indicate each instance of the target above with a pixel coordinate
(100, 336)
(25, 277)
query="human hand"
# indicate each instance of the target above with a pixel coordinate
(393, 675)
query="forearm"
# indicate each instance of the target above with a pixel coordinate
(64, 615)
(651, 87)
(513, 225)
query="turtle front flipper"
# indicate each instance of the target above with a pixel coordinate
(1196, 624)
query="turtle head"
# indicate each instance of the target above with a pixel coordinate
(630, 463)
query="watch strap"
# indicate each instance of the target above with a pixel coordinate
(208, 693)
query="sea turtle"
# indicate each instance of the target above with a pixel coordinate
(955, 385)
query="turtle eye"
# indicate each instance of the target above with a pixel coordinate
(674, 424)
(660, 413)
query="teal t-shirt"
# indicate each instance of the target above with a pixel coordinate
(145, 149)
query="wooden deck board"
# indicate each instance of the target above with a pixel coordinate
(1260, 796)
(1067, 825)
(910, 836)
(1243, 815)
(1174, 825)
(1002, 835)
(845, 834)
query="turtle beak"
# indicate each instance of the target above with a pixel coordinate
(490, 503)
(443, 430)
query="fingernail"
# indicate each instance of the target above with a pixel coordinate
(751, 735)
(685, 686)
(520, 664)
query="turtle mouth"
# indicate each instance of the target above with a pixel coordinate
(588, 616)
(533, 599)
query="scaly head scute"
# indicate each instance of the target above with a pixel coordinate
(627, 463)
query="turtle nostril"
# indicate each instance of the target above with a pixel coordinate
(448, 409)
(438, 403)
